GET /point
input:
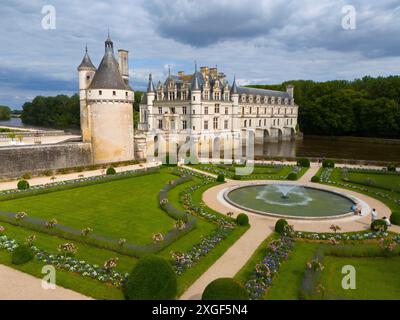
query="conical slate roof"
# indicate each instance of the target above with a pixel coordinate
(108, 75)
(150, 86)
(234, 89)
(86, 63)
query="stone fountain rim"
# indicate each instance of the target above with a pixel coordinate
(353, 199)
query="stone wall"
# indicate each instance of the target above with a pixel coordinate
(15, 161)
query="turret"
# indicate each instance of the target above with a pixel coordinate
(86, 71)
(151, 91)
(235, 93)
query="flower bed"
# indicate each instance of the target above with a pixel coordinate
(367, 235)
(69, 264)
(261, 279)
(183, 261)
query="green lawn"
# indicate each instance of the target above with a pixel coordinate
(267, 172)
(376, 278)
(390, 181)
(126, 208)
(375, 192)
(137, 200)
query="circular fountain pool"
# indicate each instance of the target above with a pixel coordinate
(290, 201)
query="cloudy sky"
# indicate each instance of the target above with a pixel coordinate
(259, 41)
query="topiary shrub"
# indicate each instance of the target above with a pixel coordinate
(225, 289)
(111, 171)
(379, 225)
(304, 162)
(221, 178)
(23, 185)
(21, 255)
(151, 279)
(242, 219)
(292, 176)
(391, 167)
(315, 179)
(395, 218)
(280, 225)
(328, 163)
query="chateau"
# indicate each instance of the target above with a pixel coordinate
(200, 108)
(200, 112)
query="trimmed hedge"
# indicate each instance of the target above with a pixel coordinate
(21, 255)
(292, 176)
(111, 171)
(280, 225)
(379, 225)
(315, 179)
(391, 167)
(23, 185)
(304, 162)
(225, 289)
(237, 177)
(242, 219)
(151, 279)
(395, 218)
(221, 178)
(328, 163)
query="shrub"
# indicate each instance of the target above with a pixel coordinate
(111, 171)
(237, 177)
(280, 225)
(391, 167)
(47, 173)
(328, 164)
(23, 185)
(395, 218)
(221, 178)
(292, 176)
(304, 162)
(242, 219)
(315, 179)
(225, 289)
(379, 225)
(22, 254)
(26, 176)
(151, 279)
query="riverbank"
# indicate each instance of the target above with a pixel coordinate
(356, 139)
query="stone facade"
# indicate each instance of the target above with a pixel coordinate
(203, 107)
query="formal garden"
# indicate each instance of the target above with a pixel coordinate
(292, 265)
(96, 230)
(146, 234)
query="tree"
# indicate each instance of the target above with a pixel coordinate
(5, 113)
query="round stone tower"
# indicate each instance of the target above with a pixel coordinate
(109, 101)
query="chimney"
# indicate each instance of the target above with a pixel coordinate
(290, 91)
(204, 71)
(214, 73)
(123, 65)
